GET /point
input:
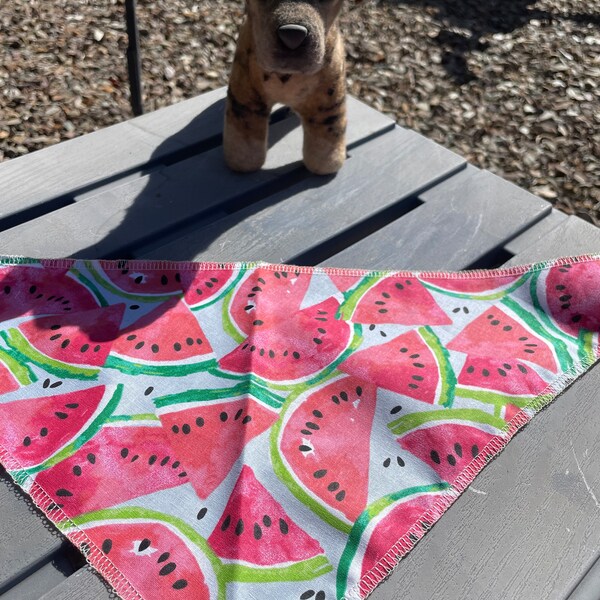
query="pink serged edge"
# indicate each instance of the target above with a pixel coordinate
(97, 559)
(404, 545)
(166, 265)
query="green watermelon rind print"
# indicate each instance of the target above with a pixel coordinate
(496, 399)
(87, 434)
(414, 420)
(304, 570)
(246, 388)
(483, 296)
(370, 513)
(21, 372)
(558, 345)
(310, 380)
(447, 374)
(90, 286)
(130, 367)
(543, 316)
(585, 338)
(228, 289)
(285, 477)
(586, 346)
(25, 352)
(353, 296)
(224, 572)
(109, 287)
(134, 513)
(229, 327)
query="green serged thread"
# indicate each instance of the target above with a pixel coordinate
(447, 375)
(363, 521)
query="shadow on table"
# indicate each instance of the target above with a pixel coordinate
(477, 19)
(180, 174)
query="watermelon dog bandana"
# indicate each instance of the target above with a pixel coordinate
(236, 431)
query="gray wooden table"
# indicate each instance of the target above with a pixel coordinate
(156, 187)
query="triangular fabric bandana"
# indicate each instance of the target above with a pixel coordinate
(235, 431)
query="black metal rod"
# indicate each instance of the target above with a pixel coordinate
(134, 59)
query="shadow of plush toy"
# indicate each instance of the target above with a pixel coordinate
(290, 53)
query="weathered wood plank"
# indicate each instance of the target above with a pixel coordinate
(26, 541)
(589, 587)
(332, 210)
(39, 582)
(570, 236)
(531, 516)
(111, 222)
(462, 220)
(30, 181)
(82, 585)
(528, 525)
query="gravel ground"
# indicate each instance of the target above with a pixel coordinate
(514, 86)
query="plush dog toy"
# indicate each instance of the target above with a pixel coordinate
(289, 52)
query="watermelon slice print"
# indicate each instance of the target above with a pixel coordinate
(45, 425)
(473, 286)
(67, 345)
(447, 447)
(158, 554)
(320, 448)
(394, 299)
(343, 282)
(133, 280)
(267, 296)
(204, 286)
(8, 382)
(294, 348)
(166, 341)
(496, 335)
(573, 296)
(35, 290)
(209, 429)
(386, 531)
(254, 529)
(122, 461)
(405, 365)
(513, 378)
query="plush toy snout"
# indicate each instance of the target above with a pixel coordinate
(288, 52)
(292, 36)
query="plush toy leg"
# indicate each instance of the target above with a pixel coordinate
(245, 131)
(324, 148)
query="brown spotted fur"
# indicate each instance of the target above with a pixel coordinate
(310, 80)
